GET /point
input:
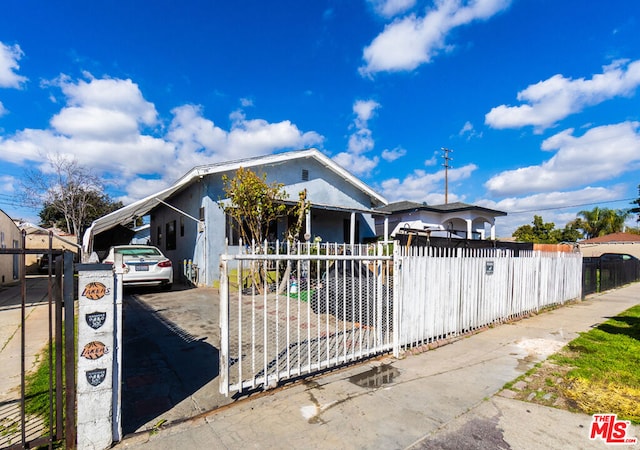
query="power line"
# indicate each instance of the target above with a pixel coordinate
(571, 206)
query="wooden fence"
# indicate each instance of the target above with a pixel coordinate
(443, 294)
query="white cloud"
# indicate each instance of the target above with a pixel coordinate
(199, 141)
(433, 160)
(360, 141)
(109, 94)
(142, 187)
(469, 131)
(557, 97)
(421, 186)
(105, 125)
(3, 110)
(364, 110)
(390, 8)
(602, 153)
(357, 164)
(9, 57)
(559, 207)
(8, 184)
(392, 155)
(257, 136)
(88, 122)
(411, 41)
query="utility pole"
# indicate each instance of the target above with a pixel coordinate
(446, 165)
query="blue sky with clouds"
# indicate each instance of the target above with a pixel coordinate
(538, 99)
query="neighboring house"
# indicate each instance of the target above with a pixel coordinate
(611, 243)
(456, 220)
(187, 222)
(39, 238)
(10, 237)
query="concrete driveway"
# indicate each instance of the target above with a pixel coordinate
(170, 356)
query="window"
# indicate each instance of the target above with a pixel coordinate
(171, 235)
(202, 214)
(305, 175)
(232, 234)
(181, 226)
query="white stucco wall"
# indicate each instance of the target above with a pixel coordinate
(10, 237)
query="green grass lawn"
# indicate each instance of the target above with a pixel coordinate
(604, 375)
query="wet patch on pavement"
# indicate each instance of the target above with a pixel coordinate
(375, 377)
(477, 434)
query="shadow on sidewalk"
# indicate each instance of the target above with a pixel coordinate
(162, 364)
(37, 288)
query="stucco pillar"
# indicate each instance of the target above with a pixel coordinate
(469, 233)
(493, 231)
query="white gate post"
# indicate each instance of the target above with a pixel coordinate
(398, 295)
(224, 326)
(99, 358)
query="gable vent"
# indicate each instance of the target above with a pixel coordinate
(305, 175)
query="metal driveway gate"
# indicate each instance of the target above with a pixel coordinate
(289, 311)
(46, 303)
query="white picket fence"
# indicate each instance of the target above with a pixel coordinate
(320, 306)
(441, 293)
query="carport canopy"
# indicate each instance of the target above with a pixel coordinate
(111, 229)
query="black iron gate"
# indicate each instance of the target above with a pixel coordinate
(609, 271)
(39, 411)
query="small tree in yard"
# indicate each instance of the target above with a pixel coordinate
(254, 204)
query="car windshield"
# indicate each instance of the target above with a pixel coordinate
(138, 251)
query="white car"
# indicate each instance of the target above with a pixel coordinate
(144, 265)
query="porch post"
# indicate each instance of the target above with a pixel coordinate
(493, 231)
(307, 230)
(352, 236)
(469, 233)
(386, 229)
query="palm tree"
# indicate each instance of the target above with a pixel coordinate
(601, 221)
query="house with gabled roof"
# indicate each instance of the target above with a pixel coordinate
(455, 220)
(622, 243)
(187, 222)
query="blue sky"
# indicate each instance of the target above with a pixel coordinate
(538, 99)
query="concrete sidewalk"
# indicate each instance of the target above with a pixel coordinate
(447, 398)
(36, 332)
